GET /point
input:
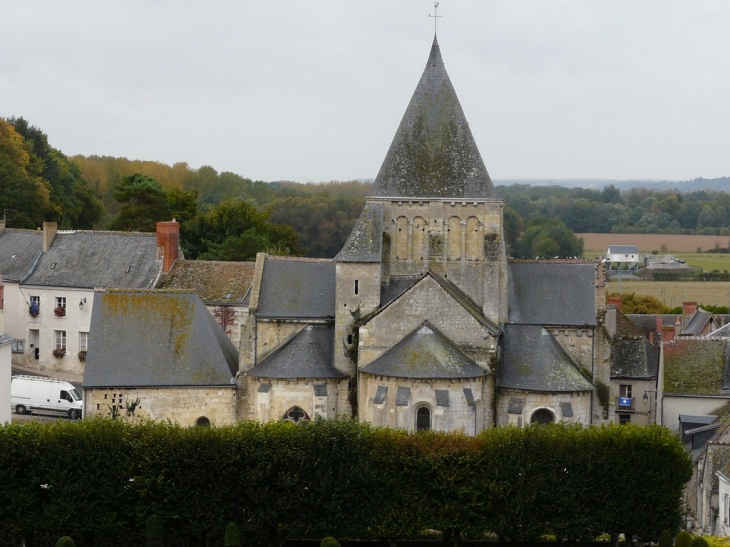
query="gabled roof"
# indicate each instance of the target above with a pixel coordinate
(18, 251)
(696, 366)
(698, 322)
(154, 338)
(623, 249)
(433, 153)
(307, 354)
(213, 281)
(365, 243)
(397, 285)
(552, 293)
(297, 288)
(90, 260)
(533, 360)
(425, 353)
(5, 339)
(722, 332)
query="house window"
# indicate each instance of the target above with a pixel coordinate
(542, 416)
(626, 390)
(17, 346)
(83, 341)
(295, 414)
(423, 419)
(35, 305)
(60, 338)
(624, 419)
(61, 302)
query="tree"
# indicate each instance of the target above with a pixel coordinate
(548, 238)
(144, 203)
(633, 303)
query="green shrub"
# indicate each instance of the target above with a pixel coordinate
(684, 538)
(154, 531)
(329, 542)
(65, 541)
(698, 542)
(665, 539)
(233, 539)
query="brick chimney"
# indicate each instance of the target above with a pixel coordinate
(168, 243)
(668, 333)
(677, 328)
(688, 310)
(616, 301)
(49, 233)
(611, 312)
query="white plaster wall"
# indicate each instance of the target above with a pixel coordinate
(643, 414)
(5, 358)
(673, 406)
(47, 323)
(15, 315)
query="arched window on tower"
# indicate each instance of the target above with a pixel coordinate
(542, 416)
(454, 238)
(295, 414)
(423, 418)
(401, 238)
(473, 243)
(419, 239)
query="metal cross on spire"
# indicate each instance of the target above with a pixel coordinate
(435, 16)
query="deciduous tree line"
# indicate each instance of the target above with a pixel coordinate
(99, 480)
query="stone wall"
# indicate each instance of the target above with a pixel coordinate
(426, 301)
(271, 403)
(457, 416)
(529, 402)
(183, 405)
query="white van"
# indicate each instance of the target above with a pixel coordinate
(38, 394)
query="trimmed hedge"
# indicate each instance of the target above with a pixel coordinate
(338, 478)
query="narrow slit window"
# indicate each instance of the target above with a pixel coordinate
(357, 286)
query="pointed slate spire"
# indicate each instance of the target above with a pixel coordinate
(433, 154)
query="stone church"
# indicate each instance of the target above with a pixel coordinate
(421, 322)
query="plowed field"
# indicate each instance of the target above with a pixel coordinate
(598, 243)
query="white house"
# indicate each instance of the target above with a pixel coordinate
(623, 255)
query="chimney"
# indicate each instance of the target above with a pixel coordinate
(611, 313)
(651, 337)
(2, 226)
(677, 328)
(688, 310)
(49, 233)
(168, 243)
(616, 301)
(668, 333)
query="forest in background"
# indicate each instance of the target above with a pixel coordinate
(226, 216)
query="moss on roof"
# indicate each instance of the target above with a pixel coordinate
(213, 281)
(695, 366)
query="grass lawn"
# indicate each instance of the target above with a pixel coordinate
(673, 293)
(707, 261)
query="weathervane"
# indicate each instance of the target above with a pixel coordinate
(435, 16)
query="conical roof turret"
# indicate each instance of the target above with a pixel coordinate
(433, 153)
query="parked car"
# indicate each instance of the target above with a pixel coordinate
(41, 395)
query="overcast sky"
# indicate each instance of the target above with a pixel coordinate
(314, 90)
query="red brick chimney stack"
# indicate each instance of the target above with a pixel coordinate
(616, 301)
(688, 310)
(168, 243)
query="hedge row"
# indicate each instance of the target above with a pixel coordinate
(100, 478)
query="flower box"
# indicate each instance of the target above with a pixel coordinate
(59, 311)
(33, 311)
(59, 352)
(82, 355)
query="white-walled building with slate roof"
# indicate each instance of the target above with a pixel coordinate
(52, 277)
(420, 322)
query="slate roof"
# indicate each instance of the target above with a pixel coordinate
(424, 353)
(214, 281)
(98, 260)
(18, 251)
(365, 242)
(296, 288)
(697, 322)
(307, 354)
(697, 366)
(623, 249)
(632, 355)
(722, 332)
(156, 339)
(533, 360)
(396, 286)
(5, 339)
(552, 293)
(433, 153)
(647, 321)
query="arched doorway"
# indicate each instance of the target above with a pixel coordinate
(295, 414)
(423, 418)
(202, 422)
(542, 416)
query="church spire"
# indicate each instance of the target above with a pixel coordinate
(433, 153)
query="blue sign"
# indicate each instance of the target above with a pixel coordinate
(624, 401)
